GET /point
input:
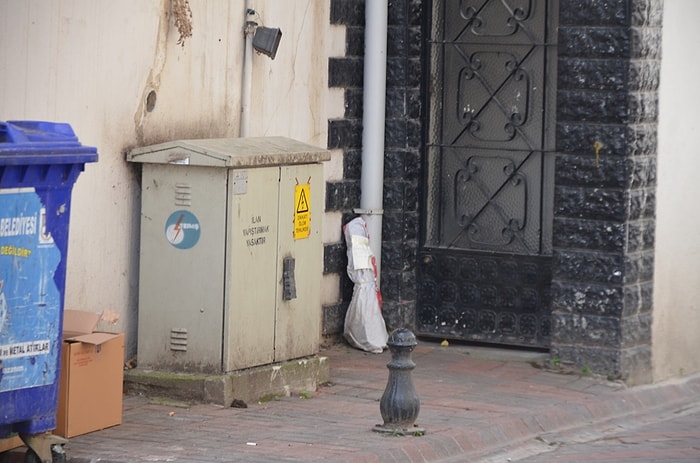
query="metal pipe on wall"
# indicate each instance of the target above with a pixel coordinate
(248, 30)
(374, 96)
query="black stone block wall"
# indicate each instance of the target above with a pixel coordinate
(603, 237)
(402, 162)
(603, 230)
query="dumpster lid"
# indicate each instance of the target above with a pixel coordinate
(231, 152)
(40, 142)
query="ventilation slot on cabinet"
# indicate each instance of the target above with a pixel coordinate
(183, 194)
(178, 339)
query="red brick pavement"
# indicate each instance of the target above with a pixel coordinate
(669, 436)
(470, 406)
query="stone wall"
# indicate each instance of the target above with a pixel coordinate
(603, 231)
(607, 100)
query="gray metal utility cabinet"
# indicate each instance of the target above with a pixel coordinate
(231, 253)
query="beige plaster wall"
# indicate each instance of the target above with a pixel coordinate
(92, 63)
(676, 327)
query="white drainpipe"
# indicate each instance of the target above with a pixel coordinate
(246, 84)
(372, 180)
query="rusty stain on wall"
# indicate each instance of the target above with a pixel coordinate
(153, 81)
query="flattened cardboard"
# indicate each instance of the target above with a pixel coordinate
(90, 388)
(95, 339)
(77, 322)
(10, 443)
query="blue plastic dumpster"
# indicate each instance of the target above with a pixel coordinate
(39, 163)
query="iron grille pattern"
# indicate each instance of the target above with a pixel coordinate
(486, 264)
(489, 158)
(494, 299)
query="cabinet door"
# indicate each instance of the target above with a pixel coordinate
(182, 263)
(251, 272)
(298, 319)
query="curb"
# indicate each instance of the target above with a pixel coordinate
(510, 434)
(456, 445)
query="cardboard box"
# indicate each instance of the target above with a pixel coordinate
(10, 443)
(92, 375)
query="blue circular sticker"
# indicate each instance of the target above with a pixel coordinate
(182, 229)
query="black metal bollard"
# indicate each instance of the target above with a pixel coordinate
(400, 404)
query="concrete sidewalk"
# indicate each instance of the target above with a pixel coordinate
(474, 401)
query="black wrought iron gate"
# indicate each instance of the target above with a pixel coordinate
(485, 261)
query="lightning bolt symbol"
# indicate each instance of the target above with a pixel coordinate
(177, 226)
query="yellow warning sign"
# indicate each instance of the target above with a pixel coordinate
(302, 211)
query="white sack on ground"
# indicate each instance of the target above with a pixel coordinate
(364, 325)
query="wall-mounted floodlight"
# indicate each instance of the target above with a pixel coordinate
(266, 40)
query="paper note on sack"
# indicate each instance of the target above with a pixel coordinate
(361, 253)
